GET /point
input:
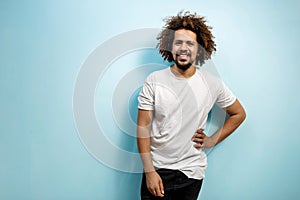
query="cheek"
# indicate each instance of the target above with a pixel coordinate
(174, 49)
(195, 52)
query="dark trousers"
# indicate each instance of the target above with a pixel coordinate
(177, 186)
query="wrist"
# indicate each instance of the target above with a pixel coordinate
(214, 139)
(149, 170)
(150, 173)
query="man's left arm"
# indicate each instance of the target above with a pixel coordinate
(236, 114)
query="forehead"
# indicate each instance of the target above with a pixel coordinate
(183, 34)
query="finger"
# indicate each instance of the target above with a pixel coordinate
(198, 141)
(157, 192)
(197, 146)
(161, 186)
(197, 136)
(153, 192)
(200, 131)
(202, 134)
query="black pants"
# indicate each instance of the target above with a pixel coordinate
(177, 186)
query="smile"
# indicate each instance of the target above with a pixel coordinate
(182, 57)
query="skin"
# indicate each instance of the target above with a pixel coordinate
(184, 50)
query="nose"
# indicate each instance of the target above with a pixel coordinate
(183, 47)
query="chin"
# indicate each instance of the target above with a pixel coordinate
(183, 67)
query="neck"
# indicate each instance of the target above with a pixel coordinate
(183, 73)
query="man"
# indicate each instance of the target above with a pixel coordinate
(173, 108)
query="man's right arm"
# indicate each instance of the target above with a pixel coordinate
(153, 180)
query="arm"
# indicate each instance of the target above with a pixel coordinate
(153, 180)
(236, 114)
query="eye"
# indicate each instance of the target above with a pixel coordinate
(178, 42)
(190, 43)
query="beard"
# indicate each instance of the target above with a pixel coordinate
(183, 67)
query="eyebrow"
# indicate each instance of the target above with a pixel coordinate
(187, 41)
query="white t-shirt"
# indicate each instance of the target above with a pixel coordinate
(180, 107)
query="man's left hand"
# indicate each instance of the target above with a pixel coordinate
(202, 140)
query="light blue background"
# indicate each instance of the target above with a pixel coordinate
(43, 45)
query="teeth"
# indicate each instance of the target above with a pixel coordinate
(183, 56)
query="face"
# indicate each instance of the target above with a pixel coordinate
(184, 48)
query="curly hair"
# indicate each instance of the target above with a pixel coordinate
(194, 23)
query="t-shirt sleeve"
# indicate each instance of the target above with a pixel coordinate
(146, 96)
(225, 96)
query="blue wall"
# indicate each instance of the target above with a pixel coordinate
(43, 48)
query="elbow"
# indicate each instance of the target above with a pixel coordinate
(243, 115)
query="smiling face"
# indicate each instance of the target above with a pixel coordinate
(184, 48)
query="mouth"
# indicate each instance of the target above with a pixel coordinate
(183, 57)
